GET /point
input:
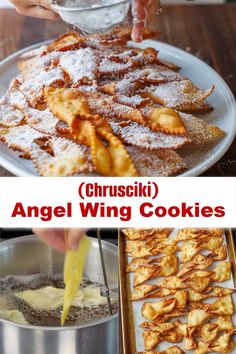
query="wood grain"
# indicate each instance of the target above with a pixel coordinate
(208, 31)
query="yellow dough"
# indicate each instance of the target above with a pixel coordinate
(73, 273)
(50, 298)
(13, 315)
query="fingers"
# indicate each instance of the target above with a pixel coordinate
(74, 237)
(52, 237)
(139, 12)
(56, 238)
(35, 8)
(137, 32)
(39, 12)
(43, 3)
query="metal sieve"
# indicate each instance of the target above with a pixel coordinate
(92, 16)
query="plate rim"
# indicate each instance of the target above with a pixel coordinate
(193, 172)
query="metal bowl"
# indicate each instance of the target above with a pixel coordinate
(27, 255)
(95, 18)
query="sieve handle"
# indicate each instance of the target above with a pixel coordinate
(104, 271)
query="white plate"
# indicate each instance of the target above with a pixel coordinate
(198, 159)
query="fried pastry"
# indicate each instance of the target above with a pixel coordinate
(14, 97)
(135, 263)
(150, 291)
(222, 306)
(223, 344)
(172, 282)
(152, 310)
(10, 117)
(131, 246)
(155, 310)
(143, 291)
(68, 41)
(42, 62)
(161, 328)
(66, 158)
(219, 254)
(151, 339)
(157, 119)
(199, 280)
(198, 132)
(120, 64)
(180, 95)
(137, 135)
(189, 338)
(144, 273)
(20, 138)
(209, 333)
(225, 323)
(191, 233)
(143, 234)
(43, 121)
(81, 66)
(183, 291)
(132, 82)
(126, 104)
(168, 266)
(159, 163)
(70, 106)
(198, 262)
(171, 350)
(209, 292)
(222, 272)
(191, 248)
(197, 317)
(32, 88)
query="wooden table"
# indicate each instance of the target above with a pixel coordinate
(207, 31)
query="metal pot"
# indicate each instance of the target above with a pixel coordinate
(27, 255)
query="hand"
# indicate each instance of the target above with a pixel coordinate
(56, 239)
(141, 11)
(35, 8)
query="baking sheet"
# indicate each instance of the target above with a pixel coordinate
(198, 159)
(131, 316)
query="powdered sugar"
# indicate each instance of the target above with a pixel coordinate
(118, 64)
(109, 67)
(80, 64)
(68, 158)
(20, 138)
(34, 52)
(135, 101)
(9, 116)
(97, 19)
(199, 131)
(126, 87)
(156, 74)
(16, 99)
(32, 88)
(132, 82)
(43, 121)
(177, 94)
(105, 105)
(137, 135)
(123, 74)
(158, 163)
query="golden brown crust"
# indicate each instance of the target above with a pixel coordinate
(98, 85)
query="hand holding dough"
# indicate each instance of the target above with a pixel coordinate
(55, 238)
